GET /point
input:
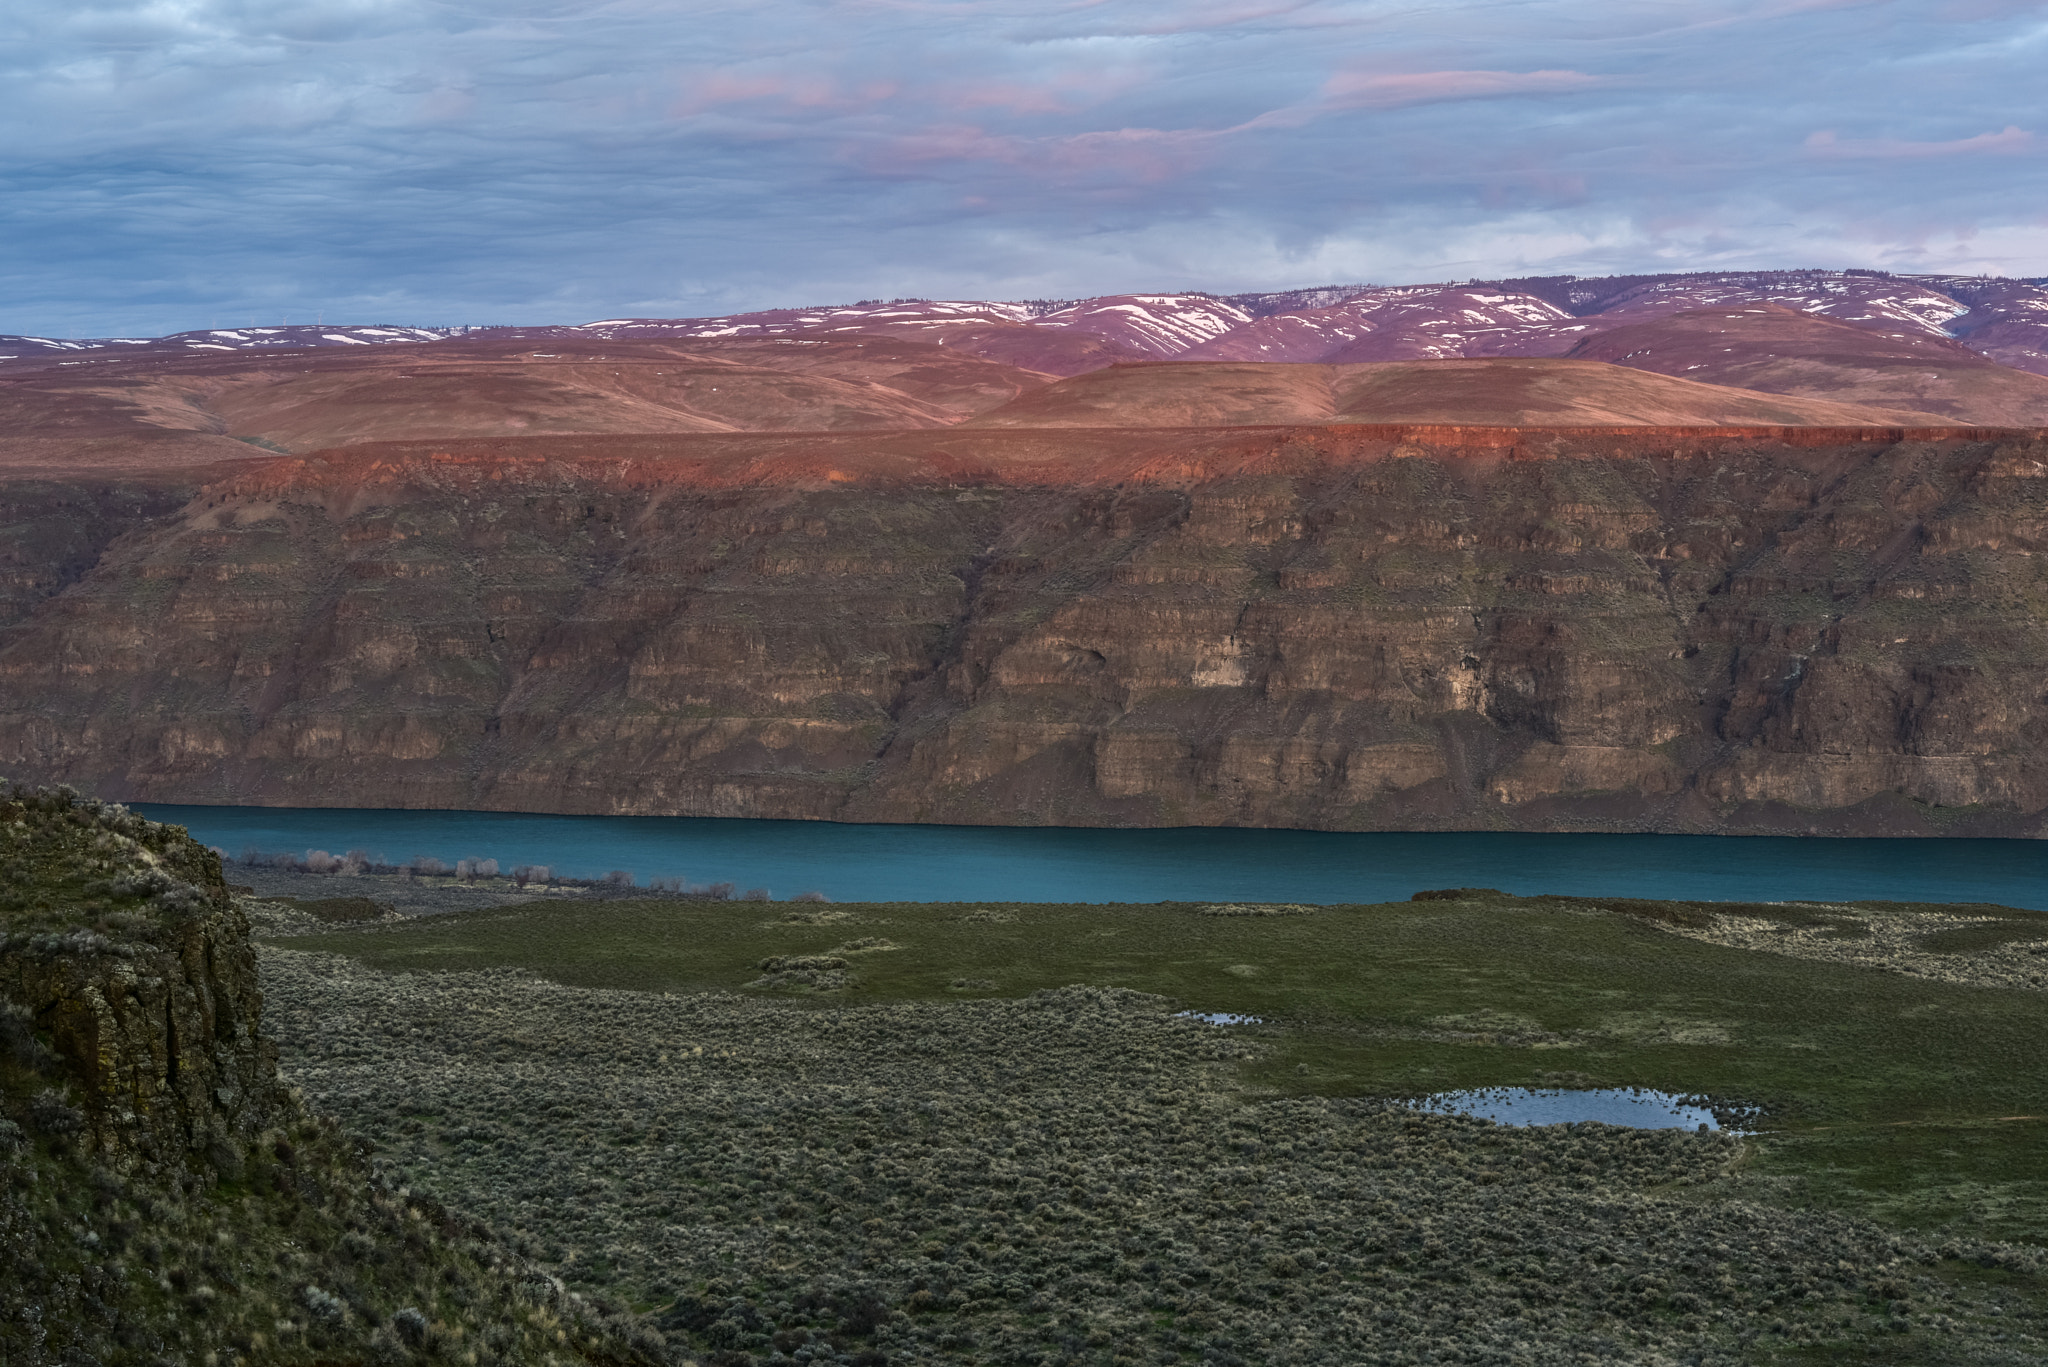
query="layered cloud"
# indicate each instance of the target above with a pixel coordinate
(2009, 140)
(1392, 89)
(172, 164)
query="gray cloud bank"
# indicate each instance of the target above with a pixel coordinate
(173, 165)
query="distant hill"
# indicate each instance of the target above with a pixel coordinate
(1779, 351)
(1566, 393)
(2004, 320)
(181, 409)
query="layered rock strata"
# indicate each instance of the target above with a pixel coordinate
(150, 997)
(163, 1196)
(1728, 629)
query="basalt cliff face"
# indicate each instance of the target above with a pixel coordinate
(163, 1195)
(1724, 629)
(152, 1002)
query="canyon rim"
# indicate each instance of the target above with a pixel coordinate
(869, 565)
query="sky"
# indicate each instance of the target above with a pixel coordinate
(176, 164)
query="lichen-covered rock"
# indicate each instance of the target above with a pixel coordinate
(121, 943)
(163, 1196)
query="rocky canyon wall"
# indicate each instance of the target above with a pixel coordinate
(1793, 630)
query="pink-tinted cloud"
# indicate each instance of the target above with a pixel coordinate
(1147, 155)
(1976, 11)
(2012, 140)
(1015, 96)
(790, 90)
(1060, 92)
(1389, 90)
(1228, 14)
(165, 161)
(447, 103)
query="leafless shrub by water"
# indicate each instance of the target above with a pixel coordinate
(412, 890)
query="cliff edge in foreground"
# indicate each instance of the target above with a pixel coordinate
(163, 1197)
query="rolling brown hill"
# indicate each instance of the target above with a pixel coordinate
(1775, 350)
(1505, 392)
(311, 399)
(1005, 333)
(161, 412)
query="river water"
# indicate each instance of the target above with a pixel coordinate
(851, 863)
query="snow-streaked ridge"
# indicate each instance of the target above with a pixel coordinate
(240, 339)
(2004, 319)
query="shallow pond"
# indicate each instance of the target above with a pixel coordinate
(856, 863)
(1631, 1106)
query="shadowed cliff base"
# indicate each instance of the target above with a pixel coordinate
(1789, 630)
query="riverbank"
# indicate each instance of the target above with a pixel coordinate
(882, 863)
(411, 894)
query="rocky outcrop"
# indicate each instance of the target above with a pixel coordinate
(163, 1196)
(142, 978)
(1755, 630)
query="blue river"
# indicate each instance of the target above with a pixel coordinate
(850, 863)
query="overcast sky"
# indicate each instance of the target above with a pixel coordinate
(168, 164)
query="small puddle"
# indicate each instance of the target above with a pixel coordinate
(1634, 1107)
(1221, 1017)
